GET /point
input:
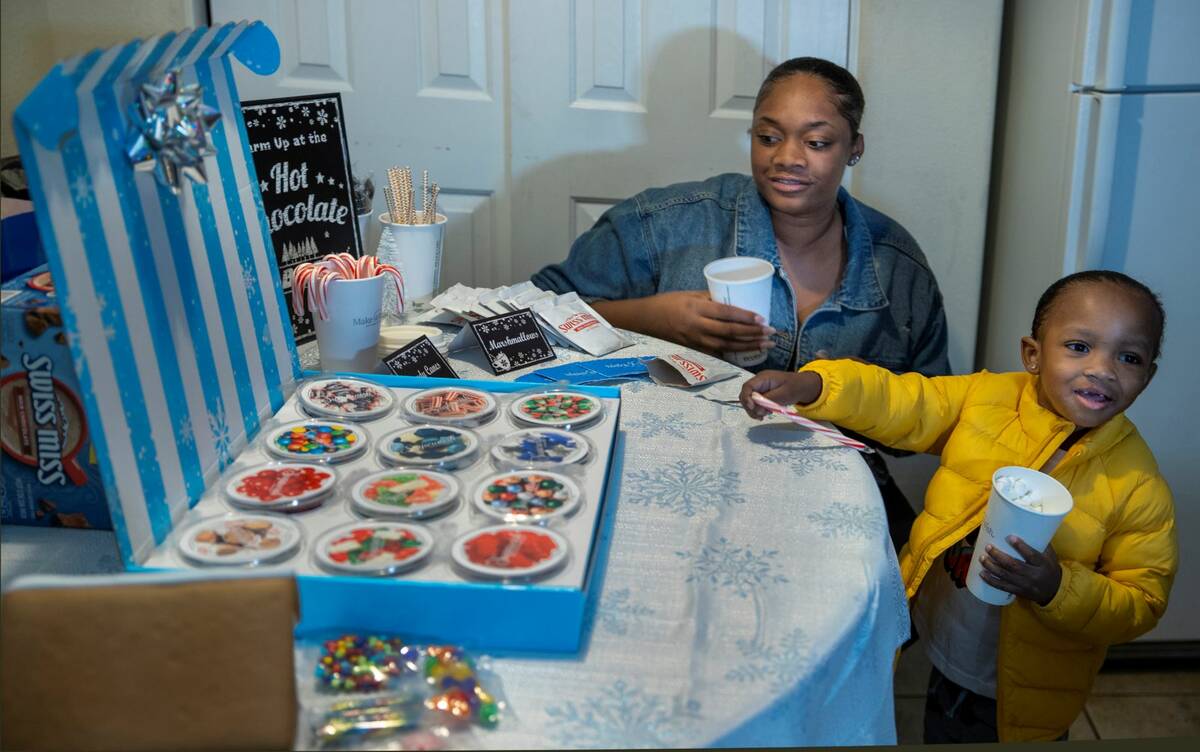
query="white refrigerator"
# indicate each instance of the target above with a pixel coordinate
(1099, 167)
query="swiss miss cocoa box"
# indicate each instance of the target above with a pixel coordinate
(50, 475)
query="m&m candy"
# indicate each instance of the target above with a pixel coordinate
(318, 440)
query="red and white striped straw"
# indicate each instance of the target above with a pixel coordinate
(811, 425)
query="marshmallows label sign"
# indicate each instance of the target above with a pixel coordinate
(303, 167)
(510, 341)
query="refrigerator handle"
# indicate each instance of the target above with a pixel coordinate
(1106, 31)
(1089, 192)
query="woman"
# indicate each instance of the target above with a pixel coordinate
(849, 281)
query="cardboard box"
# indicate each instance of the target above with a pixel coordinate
(436, 602)
(49, 476)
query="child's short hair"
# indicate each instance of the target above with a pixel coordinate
(1100, 275)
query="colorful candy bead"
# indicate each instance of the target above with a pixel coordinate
(353, 663)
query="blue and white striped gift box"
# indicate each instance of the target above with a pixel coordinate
(172, 303)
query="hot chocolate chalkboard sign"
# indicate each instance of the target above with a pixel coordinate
(303, 167)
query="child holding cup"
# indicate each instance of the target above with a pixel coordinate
(1022, 671)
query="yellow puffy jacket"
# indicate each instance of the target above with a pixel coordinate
(1116, 547)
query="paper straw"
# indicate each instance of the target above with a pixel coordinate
(811, 425)
(425, 197)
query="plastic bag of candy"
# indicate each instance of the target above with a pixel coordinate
(381, 692)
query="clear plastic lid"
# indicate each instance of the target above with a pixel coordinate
(281, 486)
(447, 447)
(345, 398)
(317, 440)
(556, 408)
(238, 539)
(543, 448)
(527, 496)
(457, 405)
(405, 492)
(510, 551)
(371, 547)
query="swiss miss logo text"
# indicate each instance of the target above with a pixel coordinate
(48, 419)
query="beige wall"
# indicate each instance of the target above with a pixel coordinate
(1031, 173)
(35, 34)
(929, 70)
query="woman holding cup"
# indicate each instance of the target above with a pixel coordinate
(845, 280)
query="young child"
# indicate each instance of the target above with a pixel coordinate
(1022, 671)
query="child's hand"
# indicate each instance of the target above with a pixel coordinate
(784, 387)
(1036, 579)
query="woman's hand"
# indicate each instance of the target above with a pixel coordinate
(1036, 579)
(784, 387)
(693, 319)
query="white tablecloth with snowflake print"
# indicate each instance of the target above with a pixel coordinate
(752, 596)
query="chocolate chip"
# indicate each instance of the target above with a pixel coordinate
(35, 324)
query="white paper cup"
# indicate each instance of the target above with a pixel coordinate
(416, 250)
(1005, 517)
(347, 339)
(744, 282)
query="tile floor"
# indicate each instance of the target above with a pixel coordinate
(1126, 703)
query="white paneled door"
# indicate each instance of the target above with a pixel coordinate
(536, 115)
(422, 84)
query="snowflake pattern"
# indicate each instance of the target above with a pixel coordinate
(304, 111)
(684, 488)
(650, 425)
(782, 664)
(220, 432)
(184, 433)
(636, 386)
(804, 461)
(842, 520)
(734, 567)
(281, 122)
(617, 610)
(621, 716)
(249, 276)
(81, 191)
(322, 118)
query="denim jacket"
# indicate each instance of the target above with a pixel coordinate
(887, 309)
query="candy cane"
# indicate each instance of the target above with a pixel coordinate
(343, 263)
(397, 280)
(811, 425)
(311, 280)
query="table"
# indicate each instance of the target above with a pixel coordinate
(752, 597)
